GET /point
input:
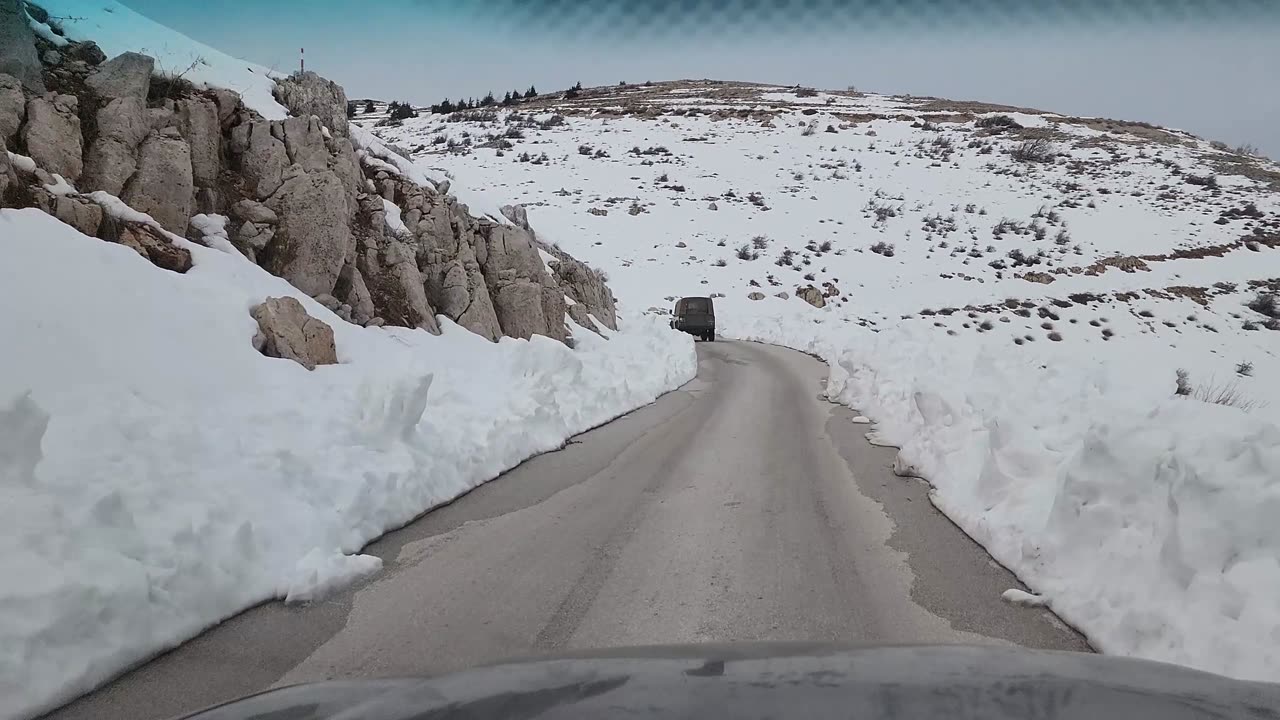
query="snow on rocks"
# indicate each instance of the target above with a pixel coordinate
(158, 474)
(118, 29)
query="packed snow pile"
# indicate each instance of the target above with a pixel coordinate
(1008, 294)
(158, 474)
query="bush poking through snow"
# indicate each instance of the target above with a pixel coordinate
(746, 253)
(1245, 369)
(170, 85)
(998, 123)
(1228, 394)
(1264, 304)
(882, 248)
(760, 242)
(1038, 150)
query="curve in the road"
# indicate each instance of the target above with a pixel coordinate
(740, 507)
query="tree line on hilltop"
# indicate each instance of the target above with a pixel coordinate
(400, 110)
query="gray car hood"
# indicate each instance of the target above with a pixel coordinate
(782, 681)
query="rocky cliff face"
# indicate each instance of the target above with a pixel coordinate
(301, 200)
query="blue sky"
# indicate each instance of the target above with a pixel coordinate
(1207, 67)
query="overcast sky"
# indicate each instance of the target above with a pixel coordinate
(1212, 69)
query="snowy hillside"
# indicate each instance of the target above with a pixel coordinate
(1008, 293)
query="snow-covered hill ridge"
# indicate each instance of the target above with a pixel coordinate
(1009, 293)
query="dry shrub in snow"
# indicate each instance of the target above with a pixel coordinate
(1038, 150)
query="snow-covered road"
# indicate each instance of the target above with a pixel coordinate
(740, 507)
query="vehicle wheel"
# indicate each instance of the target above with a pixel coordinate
(711, 336)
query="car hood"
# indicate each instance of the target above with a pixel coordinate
(782, 681)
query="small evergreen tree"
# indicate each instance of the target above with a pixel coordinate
(488, 100)
(368, 107)
(506, 99)
(572, 92)
(351, 109)
(530, 93)
(400, 111)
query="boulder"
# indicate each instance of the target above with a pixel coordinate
(450, 289)
(147, 242)
(81, 214)
(783, 295)
(507, 248)
(313, 239)
(553, 310)
(18, 56)
(125, 75)
(251, 211)
(518, 215)
(51, 57)
(198, 122)
(228, 103)
(305, 144)
(396, 287)
(13, 107)
(518, 304)
(352, 291)
(254, 236)
(86, 52)
(162, 185)
(52, 135)
(578, 314)
(306, 94)
(112, 157)
(811, 295)
(583, 284)
(347, 166)
(755, 296)
(288, 332)
(261, 158)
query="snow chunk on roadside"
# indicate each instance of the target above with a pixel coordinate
(319, 573)
(1021, 597)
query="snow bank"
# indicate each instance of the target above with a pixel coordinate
(118, 29)
(1146, 520)
(157, 474)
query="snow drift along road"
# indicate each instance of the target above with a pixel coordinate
(157, 474)
(1147, 521)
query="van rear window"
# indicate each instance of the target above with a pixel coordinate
(700, 306)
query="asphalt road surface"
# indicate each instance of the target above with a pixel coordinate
(740, 507)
